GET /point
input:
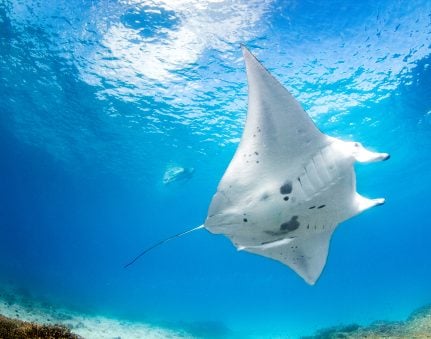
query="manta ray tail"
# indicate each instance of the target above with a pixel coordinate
(161, 243)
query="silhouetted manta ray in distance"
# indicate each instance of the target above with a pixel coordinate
(288, 185)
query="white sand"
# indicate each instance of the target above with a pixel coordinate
(18, 307)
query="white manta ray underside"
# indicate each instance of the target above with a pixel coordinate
(288, 185)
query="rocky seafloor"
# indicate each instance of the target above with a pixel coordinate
(18, 329)
(416, 326)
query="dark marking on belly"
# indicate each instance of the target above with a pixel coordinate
(286, 188)
(286, 198)
(285, 227)
(310, 208)
(321, 206)
(290, 225)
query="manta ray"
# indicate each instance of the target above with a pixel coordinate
(289, 185)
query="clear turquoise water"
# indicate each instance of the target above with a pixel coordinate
(99, 98)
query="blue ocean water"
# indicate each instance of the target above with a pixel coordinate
(99, 98)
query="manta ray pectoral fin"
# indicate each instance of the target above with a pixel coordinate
(276, 126)
(305, 255)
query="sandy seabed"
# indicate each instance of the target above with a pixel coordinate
(15, 306)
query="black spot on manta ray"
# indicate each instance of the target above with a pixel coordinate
(245, 220)
(310, 208)
(290, 225)
(286, 198)
(321, 206)
(286, 188)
